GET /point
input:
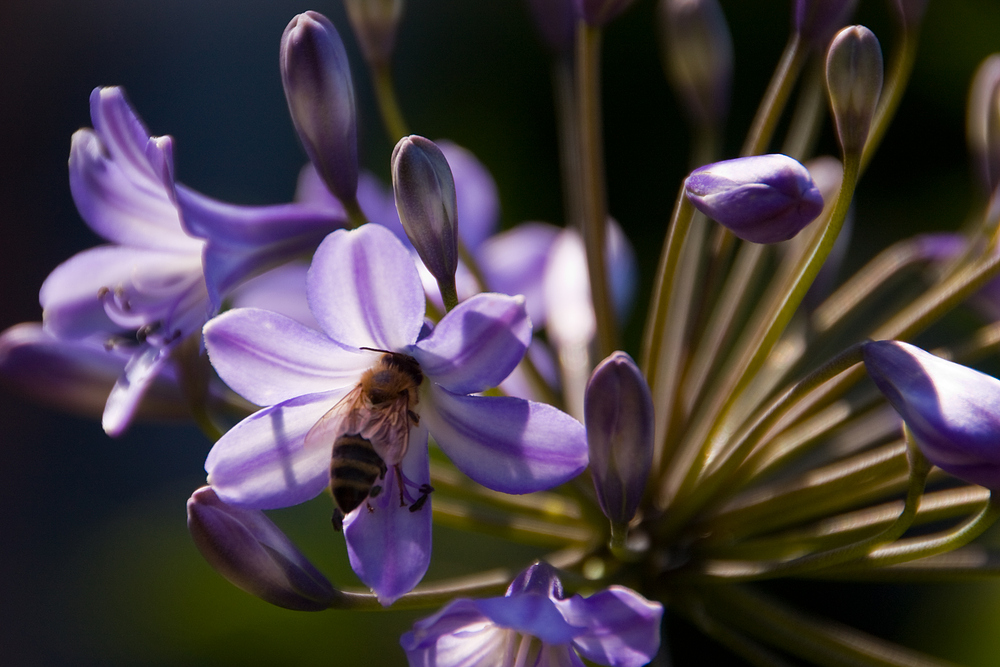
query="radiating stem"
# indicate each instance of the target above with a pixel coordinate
(595, 209)
(388, 105)
(773, 103)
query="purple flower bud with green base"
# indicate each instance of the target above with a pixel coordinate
(599, 13)
(534, 624)
(251, 552)
(375, 23)
(815, 21)
(555, 21)
(983, 123)
(952, 411)
(618, 414)
(854, 82)
(761, 199)
(425, 199)
(697, 52)
(320, 93)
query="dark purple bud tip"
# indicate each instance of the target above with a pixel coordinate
(599, 13)
(952, 411)
(251, 552)
(618, 414)
(425, 199)
(761, 199)
(320, 94)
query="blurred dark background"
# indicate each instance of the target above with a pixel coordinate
(95, 564)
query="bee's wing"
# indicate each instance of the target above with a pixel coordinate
(388, 429)
(335, 422)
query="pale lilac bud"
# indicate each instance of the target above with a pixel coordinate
(425, 199)
(375, 23)
(618, 412)
(697, 52)
(246, 548)
(761, 199)
(815, 21)
(599, 13)
(320, 94)
(555, 21)
(983, 123)
(952, 411)
(854, 82)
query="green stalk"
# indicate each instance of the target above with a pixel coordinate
(388, 104)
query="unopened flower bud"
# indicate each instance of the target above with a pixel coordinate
(983, 123)
(599, 13)
(320, 94)
(761, 199)
(374, 23)
(425, 199)
(697, 54)
(952, 411)
(815, 21)
(251, 552)
(854, 82)
(555, 21)
(618, 412)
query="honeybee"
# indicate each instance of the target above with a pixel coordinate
(370, 428)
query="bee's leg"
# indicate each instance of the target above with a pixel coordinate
(400, 483)
(337, 519)
(414, 417)
(422, 500)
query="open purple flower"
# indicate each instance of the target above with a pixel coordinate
(534, 624)
(174, 253)
(376, 375)
(952, 410)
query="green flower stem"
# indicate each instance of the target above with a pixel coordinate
(785, 294)
(904, 54)
(815, 640)
(810, 111)
(194, 374)
(595, 209)
(355, 216)
(449, 295)
(388, 105)
(478, 517)
(932, 545)
(828, 533)
(568, 126)
(663, 333)
(983, 343)
(773, 103)
(436, 594)
(969, 563)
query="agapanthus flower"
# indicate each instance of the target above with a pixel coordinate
(535, 624)
(953, 411)
(174, 253)
(365, 294)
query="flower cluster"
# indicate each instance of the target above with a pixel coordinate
(428, 367)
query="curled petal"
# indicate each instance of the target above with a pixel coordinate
(364, 289)
(506, 444)
(458, 636)
(132, 385)
(248, 344)
(476, 345)
(390, 546)
(262, 462)
(623, 628)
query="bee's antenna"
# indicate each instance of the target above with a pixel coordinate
(375, 349)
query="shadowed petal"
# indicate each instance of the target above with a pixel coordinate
(364, 290)
(262, 463)
(458, 636)
(477, 345)
(281, 290)
(390, 547)
(248, 344)
(531, 614)
(514, 261)
(476, 194)
(623, 628)
(506, 444)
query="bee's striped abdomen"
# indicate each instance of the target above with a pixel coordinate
(354, 467)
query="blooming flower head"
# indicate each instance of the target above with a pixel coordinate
(534, 624)
(377, 375)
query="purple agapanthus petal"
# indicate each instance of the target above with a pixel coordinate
(476, 192)
(530, 614)
(504, 443)
(248, 344)
(514, 261)
(244, 241)
(476, 345)
(70, 294)
(281, 290)
(364, 290)
(458, 636)
(262, 462)
(623, 628)
(390, 546)
(132, 385)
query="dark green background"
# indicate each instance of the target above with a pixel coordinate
(95, 564)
